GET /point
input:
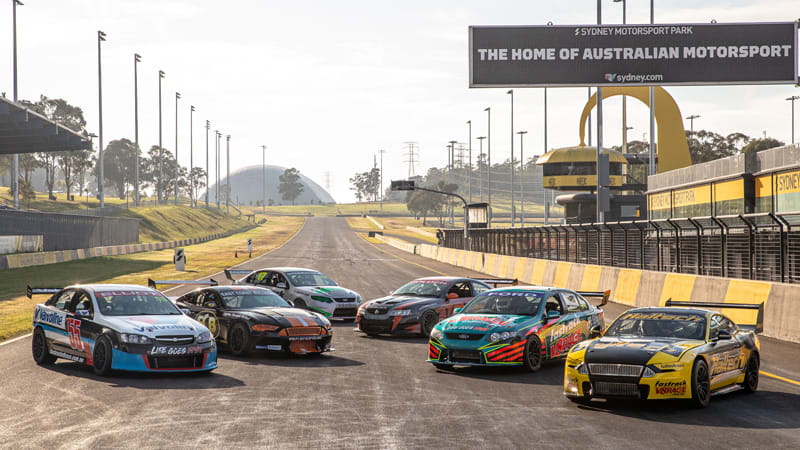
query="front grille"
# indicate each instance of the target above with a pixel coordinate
(615, 370)
(464, 336)
(344, 312)
(375, 326)
(616, 389)
(175, 340)
(471, 356)
(304, 331)
(175, 362)
(345, 300)
(377, 310)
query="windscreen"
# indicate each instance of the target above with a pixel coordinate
(522, 303)
(310, 279)
(423, 288)
(134, 303)
(659, 324)
(251, 298)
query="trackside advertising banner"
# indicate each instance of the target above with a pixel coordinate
(615, 55)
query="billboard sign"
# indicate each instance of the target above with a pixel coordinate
(616, 55)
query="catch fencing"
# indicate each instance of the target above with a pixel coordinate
(751, 246)
(68, 231)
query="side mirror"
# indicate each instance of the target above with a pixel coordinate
(185, 311)
(724, 335)
(281, 285)
(452, 296)
(457, 310)
(291, 303)
(595, 333)
(553, 314)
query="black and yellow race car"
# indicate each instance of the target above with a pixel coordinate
(675, 352)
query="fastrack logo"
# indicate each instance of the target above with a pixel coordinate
(671, 387)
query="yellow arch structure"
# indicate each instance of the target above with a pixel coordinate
(672, 148)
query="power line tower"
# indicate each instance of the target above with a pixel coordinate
(412, 157)
(461, 149)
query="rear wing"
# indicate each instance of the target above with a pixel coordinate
(603, 295)
(758, 327)
(496, 281)
(153, 283)
(230, 272)
(31, 291)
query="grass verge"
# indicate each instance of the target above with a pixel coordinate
(202, 259)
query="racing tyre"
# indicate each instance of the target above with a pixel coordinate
(427, 321)
(751, 374)
(239, 340)
(579, 400)
(443, 367)
(41, 353)
(532, 358)
(701, 384)
(102, 357)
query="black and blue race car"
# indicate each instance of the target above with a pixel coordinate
(516, 326)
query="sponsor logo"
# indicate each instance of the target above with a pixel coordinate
(671, 387)
(54, 318)
(632, 78)
(67, 356)
(563, 345)
(662, 316)
(152, 328)
(159, 350)
(305, 338)
(269, 347)
(726, 362)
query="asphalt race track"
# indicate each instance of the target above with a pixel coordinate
(369, 392)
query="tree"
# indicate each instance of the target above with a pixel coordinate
(424, 203)
(756, 145)
(290, 187)
(707, 146)
(270, 202)
(198, 182)
(26, 192)
(81, 163)
(366, 184)
(27, 164)
(173, 174)
(120, 165)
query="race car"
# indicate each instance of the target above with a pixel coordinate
(304, 288)
(251, 318)
(676, 352)
(419, 305)
(516, 326)
(124, 327)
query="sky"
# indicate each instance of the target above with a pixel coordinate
(325, 85)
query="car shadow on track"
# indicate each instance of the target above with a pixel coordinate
(551, 374)
(762, 410)
(315, 361)
(150, 380)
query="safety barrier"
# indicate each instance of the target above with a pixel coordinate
(377, 224)
(41, 258)
(637, 287)
(762, 246)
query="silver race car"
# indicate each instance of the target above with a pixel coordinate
(304, 288)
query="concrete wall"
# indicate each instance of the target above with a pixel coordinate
(635, 287)
(69, 231)
(42, 258)
(23, 243)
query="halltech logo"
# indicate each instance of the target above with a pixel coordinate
(610, 77)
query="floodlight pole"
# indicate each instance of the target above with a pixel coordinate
(191, 157)
(208, 126)
(264, 179)
(15, 165)
(177, 163)
(545, 194)
(513, 212)
(452, 156)
(381, 197)
(136, 59)
(521, 178)
(792, 99)
(489, 162)
(600, 212)
(652, 113)
(480, 171)
(469, 169)
(228, 189)
(160, 183)
(100, 38)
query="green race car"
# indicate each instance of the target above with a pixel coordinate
(518, 326)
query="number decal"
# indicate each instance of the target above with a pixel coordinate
(209, 319)
(74, 330)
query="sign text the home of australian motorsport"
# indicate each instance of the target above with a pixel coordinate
(667, 54)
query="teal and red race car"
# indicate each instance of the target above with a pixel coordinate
(517, 326)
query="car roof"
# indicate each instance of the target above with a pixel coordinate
(668, 310)
(528, 288)
(440, 278)
(290, 269)
(109, 287)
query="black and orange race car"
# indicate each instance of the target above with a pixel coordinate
(419, 305)
(249, 318)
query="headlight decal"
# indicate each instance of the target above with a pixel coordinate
(508, 353)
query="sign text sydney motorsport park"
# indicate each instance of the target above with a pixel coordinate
(666, 54)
